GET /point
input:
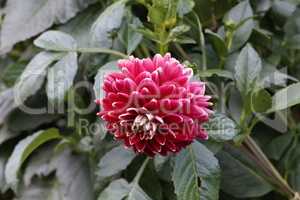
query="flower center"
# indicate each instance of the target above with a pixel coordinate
(145, 124)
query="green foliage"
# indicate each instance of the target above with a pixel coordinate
(22, 151)
(56, 53)
(239, 176)
(196, 174)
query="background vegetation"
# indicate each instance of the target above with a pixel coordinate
(53, 52)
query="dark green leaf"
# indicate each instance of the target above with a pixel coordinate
(117, 190)
(120, 189)
(12, 73)
(6, 134)
(196, 174)
(240, 177)
(293, 42)
(163, 166)
(114, 162)
(247, 69)
(261, 101)
(150, 178)
(294, 177)
(217, 42)
(278, 146)
(20, 120)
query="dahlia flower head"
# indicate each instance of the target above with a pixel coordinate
(153, 107)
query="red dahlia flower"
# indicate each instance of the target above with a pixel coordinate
(152, 106)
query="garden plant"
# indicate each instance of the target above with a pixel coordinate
(149, 99)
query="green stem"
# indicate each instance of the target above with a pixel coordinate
(102, 50)
(202, 42)
(279, 180)
(229, 39)
(163, 49)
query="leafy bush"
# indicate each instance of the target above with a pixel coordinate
(55, 54)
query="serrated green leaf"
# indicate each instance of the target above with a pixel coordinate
(108, 21)
(247, 69)
(120, 189)
(196, 174)
(117, 190)
(60, 78)
(56, 41)
(23, 150)
(114, 162)
(74, 176)
(32, 78)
